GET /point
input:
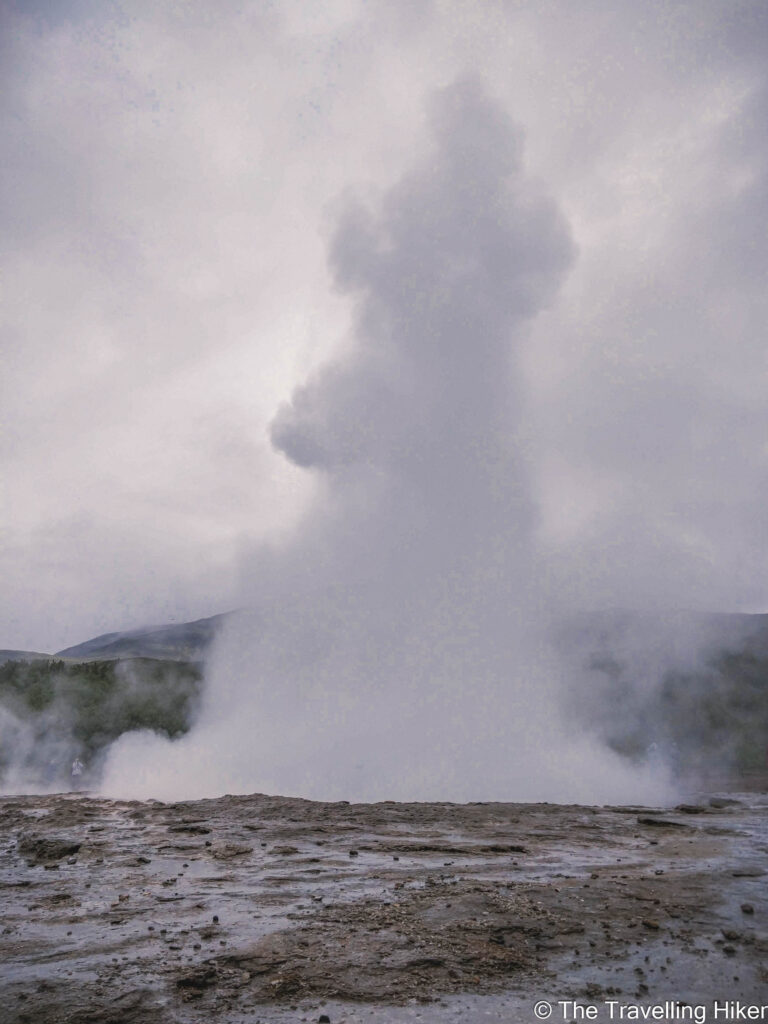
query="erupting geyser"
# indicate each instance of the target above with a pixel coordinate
(396, 646)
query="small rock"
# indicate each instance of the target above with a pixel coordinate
(38, 850)
(658, 822)
(226, 851)
(747, 908)
(323, 1019)
(651, 922)
(197, 981)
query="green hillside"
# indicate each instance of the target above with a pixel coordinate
(701, 711)
(691, 690)
(52, 711)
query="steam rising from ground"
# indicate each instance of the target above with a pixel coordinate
(397, 647)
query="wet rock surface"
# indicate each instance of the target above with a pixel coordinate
(252, 909)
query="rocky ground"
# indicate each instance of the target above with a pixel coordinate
(265, 909)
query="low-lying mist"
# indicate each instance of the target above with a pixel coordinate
(53, 712)
(399, 645)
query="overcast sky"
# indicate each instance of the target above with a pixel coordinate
(173, 179)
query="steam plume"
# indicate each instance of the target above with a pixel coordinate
(396, 646)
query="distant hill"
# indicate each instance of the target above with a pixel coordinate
(693, 687)
(22, 656)
(688, 688)
(589, 631)
(183, 641)
(52, 711)
(668, 629)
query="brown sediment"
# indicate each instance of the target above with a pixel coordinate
(265, 903)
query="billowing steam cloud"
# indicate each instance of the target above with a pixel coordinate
(396, 646)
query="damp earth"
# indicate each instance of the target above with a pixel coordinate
(262, 909)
